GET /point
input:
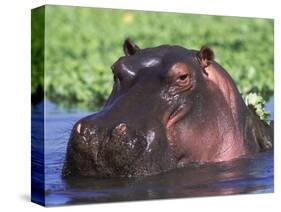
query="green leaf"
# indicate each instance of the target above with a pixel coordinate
(257, 102)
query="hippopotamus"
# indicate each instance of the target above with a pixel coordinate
(169, 107)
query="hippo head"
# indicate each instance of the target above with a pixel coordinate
(162, 112)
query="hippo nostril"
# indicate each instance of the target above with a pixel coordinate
(120, 129)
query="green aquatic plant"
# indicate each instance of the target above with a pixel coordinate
(82, 43)
(257, 103)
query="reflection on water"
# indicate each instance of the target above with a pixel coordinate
(253, 175)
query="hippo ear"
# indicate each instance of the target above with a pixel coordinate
(206, 55)
(130, 47)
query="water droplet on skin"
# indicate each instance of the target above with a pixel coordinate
(78, 128)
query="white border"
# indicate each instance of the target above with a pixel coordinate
(244, 8)
(15, 106)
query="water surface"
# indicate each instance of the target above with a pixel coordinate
(241, 176)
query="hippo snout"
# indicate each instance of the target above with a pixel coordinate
(97, 151)
(82, 151)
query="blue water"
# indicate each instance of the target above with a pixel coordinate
(236, 177)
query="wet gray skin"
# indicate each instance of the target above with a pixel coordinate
(169, 107)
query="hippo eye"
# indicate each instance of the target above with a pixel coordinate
(183, 80)
(183, 77)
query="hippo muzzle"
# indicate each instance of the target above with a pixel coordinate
(104, 151)
(96, 152)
